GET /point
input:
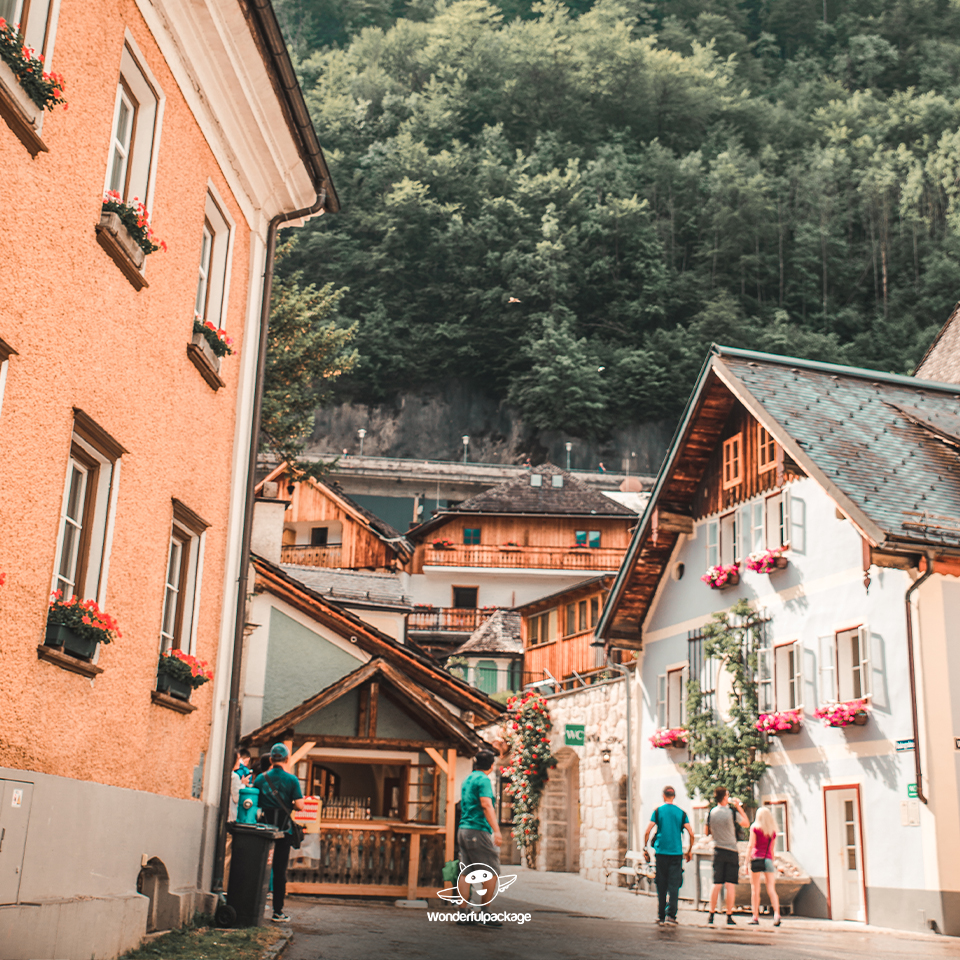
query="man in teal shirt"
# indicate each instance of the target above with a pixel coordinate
(668, 820)
(479, 838)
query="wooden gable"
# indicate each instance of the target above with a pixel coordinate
(375, 682)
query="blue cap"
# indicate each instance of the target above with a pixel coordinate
(279, 752)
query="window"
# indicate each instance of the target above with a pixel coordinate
(487, 676)
(780, 676)
(845, 666)
(728, 538)
(571, 620)
(751, 528)
(471, 535)
(778, 520)
(732, 471)
(766, 450)
(698, 819)
(594, 611)
(713, 543)
(588, 538)
(556, 480)
(89, 502)
(134, 134)
(779, 810)
(36, 19)
(513, 675)
(671, 697)
(182, 588)
(582, 623)
(318, 536)
(542, 628)
(215, 248)
(465, 596)
(536, 480)
(6, 351)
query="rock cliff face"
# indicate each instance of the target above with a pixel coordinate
(431, 426)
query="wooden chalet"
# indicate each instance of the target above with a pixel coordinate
(376, 729)
(558, 631)
(323, 527)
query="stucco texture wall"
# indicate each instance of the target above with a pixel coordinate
(85, 338)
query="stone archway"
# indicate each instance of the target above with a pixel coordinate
(560, 815)
(153, 882)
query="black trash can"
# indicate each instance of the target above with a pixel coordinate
(250, 864)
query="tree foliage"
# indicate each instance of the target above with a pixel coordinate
(564, 204)
(308, 349)
(726, 749)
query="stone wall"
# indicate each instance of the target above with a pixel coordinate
(583, 813)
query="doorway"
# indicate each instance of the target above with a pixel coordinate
(845, 874)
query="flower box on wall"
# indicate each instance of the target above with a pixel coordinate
(65, 639)
(22, 115)
(850, 713)
(205, 360)
(126, 253)
(766, 561)
(676, 738)
(176, 688)
(781, 722)
(721, 576)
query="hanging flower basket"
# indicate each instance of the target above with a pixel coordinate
(722, 576)
(853, 712)
(766, 561)
(783, 721)
(664, 739)
(442, 544)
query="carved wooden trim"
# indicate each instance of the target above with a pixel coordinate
(66, 662)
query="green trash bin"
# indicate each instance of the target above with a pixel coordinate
(251, 859)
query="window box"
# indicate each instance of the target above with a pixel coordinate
(23, 116)
(510, 548)
(675, 739)
(442, 545)
(854, 712)
(126, 253)
(720, 577)
(172, 703)
(782, 722)
(64, 638)
(766, 561)
(205, 360)
(174, 687)
(56, 656)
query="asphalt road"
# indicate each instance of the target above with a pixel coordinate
(352, 930)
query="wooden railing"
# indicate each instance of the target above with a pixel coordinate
(550, 558)
(371, 860)
(465, 619)
(307, 556)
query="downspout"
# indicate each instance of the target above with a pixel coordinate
(626, 680)
(233, 705)
(913, 676)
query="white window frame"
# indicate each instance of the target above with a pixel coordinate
(766, 458)
(777, 518)
(713, 543)
(839, 673)
(97, 457)
(6, 352)
(698, 818)
(214, 275)
(671, 696)
(188, 535)
(729, 537)
(787, 679)
(750, 527)
(781, 815)
(40, 28)
(138, 83)
(765, 683)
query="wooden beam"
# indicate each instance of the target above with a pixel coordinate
(437, 758)
(302, 751)
(451, 772)
(374, 706)
(363, 713)
(377, 743)
(673, 522)
(413, 868)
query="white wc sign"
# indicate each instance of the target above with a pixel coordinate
(17, 798)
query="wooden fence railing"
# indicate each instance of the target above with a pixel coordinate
(307, 556)
(465, 619)
(548, 558)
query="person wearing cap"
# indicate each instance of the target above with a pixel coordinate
(286, 786)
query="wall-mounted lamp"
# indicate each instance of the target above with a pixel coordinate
(568, 446)
(361, 433)
(605, 755)
(465, 440)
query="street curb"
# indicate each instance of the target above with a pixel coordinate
(276, 951)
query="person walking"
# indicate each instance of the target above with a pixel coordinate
(760, 857)
(669, 822)
(721, 825)
(479, 838)
(279, 792)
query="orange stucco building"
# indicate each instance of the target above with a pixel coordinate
(135, 438)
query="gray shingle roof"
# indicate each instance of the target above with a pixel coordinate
(942, 359)
(499, 633)
(878, 438)
(346, 586)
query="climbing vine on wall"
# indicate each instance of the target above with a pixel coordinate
(529, 767)
(724, 744)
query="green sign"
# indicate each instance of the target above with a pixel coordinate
(574, 735)
(911, 790)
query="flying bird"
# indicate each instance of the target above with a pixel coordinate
(513, 300)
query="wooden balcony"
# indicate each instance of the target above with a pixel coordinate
(452, 619)
(306, 556)
(561, 658)
(537, 558)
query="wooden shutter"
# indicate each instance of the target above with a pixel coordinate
(662, 701)
(828, 668)
(866, 680)
(684, 680)
(798, 675)
(765, 676)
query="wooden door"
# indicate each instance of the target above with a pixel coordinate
(422, 792)
(844, 854)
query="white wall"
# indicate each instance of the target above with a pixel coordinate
(497, 587)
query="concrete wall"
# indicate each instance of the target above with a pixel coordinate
(86, 843)
(820, 592)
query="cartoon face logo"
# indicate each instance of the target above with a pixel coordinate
(474, 883)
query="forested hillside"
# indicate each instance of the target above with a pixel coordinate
(565, 205)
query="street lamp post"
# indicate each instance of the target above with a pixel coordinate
(569, 447)
(361, 433)
(466, 443)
